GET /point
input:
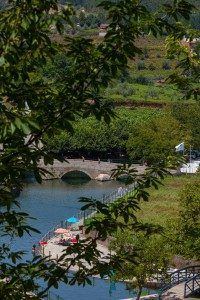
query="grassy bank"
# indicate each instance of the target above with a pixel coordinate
(163, 206)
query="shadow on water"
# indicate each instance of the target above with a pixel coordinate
(76, 181)
(76, 178)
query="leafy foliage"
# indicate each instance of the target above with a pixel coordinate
(156, 140)
(189, 223)
(92, 136)
(189, 118)
(32, 106)
(187, 74)
(151, 257)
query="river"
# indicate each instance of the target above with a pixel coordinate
(56, 200)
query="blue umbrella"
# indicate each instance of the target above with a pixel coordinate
(72, 220)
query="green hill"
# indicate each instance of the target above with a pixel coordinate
(151, 4)
(3, 3)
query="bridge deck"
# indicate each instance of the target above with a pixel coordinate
(90, 167)
(176, 292)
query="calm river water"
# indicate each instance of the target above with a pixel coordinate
(57, 200)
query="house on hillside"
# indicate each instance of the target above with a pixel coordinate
(103, 29)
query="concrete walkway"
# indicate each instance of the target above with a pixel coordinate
(55, 251)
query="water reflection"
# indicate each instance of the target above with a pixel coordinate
(76, 178)
(77, 181)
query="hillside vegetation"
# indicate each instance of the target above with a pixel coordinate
(143, 82)
(151, 4)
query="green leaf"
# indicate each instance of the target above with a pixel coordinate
(12, 127)
(33, 124)
(2, 61)
(25, 128)
(18, 123)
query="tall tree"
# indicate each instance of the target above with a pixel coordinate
(188, 229)
(156, 140)
(188, 115)
(31, 106)
(148, 262)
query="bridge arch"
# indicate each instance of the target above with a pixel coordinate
(76, 174)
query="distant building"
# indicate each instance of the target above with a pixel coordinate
(103, 29)
(192, 167)
(160, 82)
(190, 43)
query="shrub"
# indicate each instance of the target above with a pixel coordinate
(159, 77)
(166, 65)
(143, 80)
(152, 94)
(141, 65)
(145, 52)
(124, 76)
(126, 90)
(151, 67)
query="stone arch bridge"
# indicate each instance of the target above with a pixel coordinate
(88, 168)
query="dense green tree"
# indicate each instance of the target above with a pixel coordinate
(188, 229)
(90, 135)
(156, 140)
(151, 257)
(32, 105)
(188, 114)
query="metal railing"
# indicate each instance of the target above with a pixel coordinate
(183, 274)
(192, 286)
(107, 199)
(83, 215)
(179, 276)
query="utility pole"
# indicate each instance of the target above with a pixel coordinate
(190, 154)
(190, 164)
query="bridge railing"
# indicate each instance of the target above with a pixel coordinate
(184, 274)
(192, 285)
(179, 276)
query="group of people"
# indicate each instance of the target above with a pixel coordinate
(121, 191)
(63, 242)
(67, 241)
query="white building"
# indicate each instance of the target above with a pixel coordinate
(190, 168)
